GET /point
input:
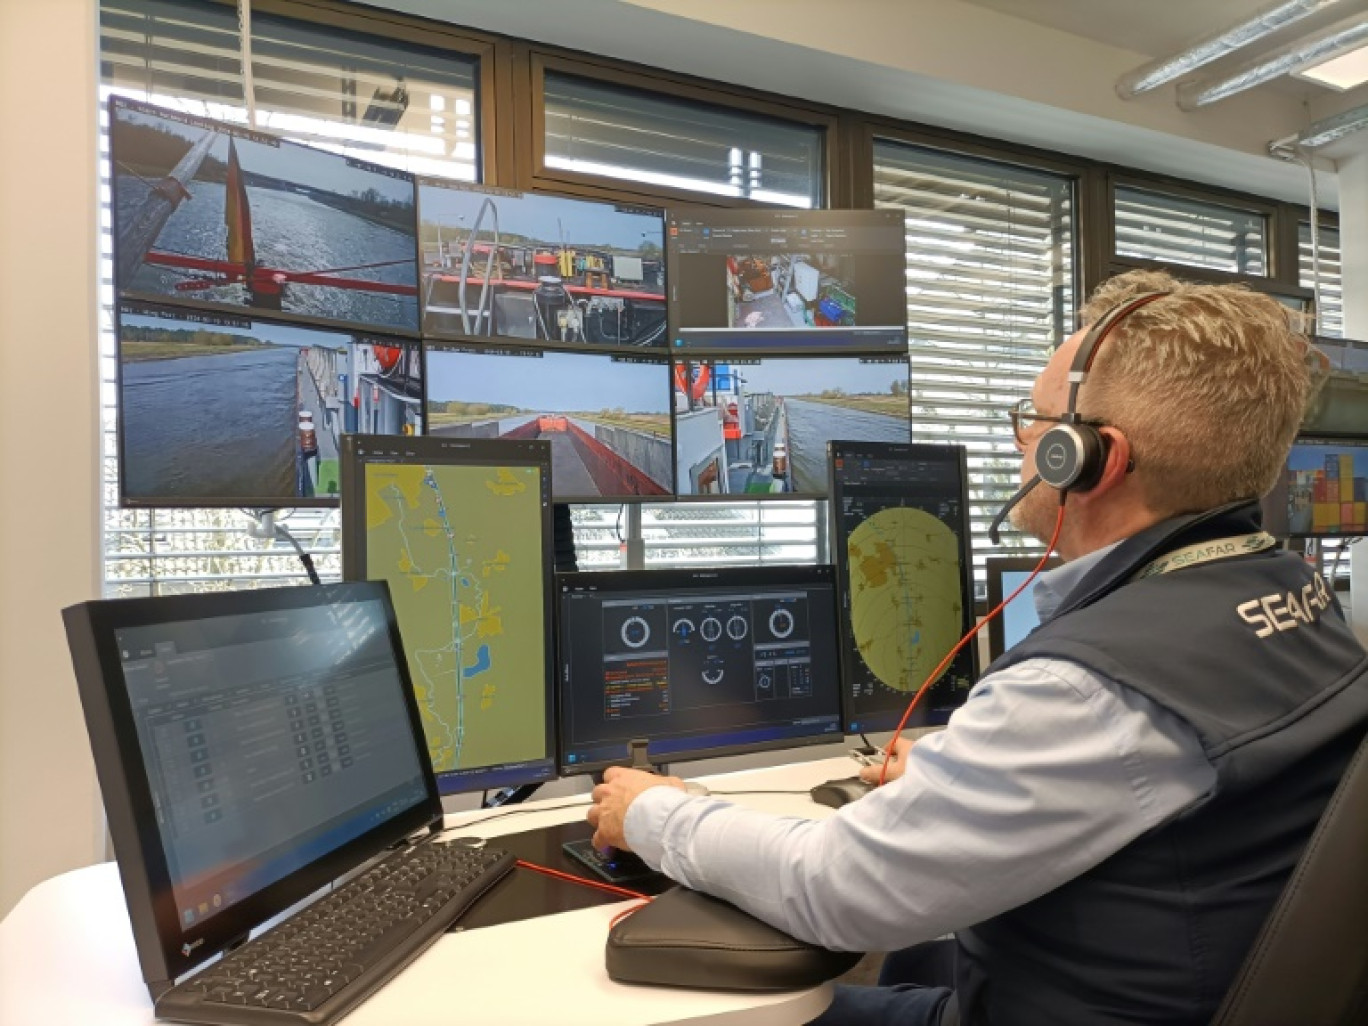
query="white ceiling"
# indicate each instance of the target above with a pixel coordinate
(1152, 27)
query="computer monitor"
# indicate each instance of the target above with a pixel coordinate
(606, 413)
(900, 532)
(461, 530)
(1340, 406)
(698, 663)
(225, 409)
(1322, 491)
(212, 213)
(758, 427)
(1005, 574)
(506, 265)
(787, 280)
(250, 747)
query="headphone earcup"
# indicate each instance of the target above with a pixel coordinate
(1070, 457)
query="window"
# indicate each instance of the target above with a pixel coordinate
(1330, 316)
(612, 131)
(1175, 230)
(406, 106)
(990, 292)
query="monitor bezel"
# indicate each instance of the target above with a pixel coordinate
(422, 182)
(262, 502)
(636, 354)
(994, 567)
(887, 450)
(777, 576)
(1319, 438)
(165, 949)
(408, 331)
(742, 359)
(356, 453)
(760, 217)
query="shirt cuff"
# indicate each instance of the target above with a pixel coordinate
(644, 826)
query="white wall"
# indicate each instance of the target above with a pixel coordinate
(49, 808)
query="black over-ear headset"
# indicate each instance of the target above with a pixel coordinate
(1071, 455)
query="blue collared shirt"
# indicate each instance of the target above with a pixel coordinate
(1045, 771)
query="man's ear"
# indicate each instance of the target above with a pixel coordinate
(1118, 462)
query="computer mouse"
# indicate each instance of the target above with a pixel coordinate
(836, 793)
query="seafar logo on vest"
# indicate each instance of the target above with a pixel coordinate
(1284, 611)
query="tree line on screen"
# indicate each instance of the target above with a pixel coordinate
(163, 343)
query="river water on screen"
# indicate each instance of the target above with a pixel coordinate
(812, 425)
(211, 426)
(293, 233)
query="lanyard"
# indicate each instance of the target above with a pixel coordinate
(1207, 552)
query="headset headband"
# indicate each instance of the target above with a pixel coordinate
(1092, 341)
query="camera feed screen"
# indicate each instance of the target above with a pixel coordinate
(1340, 405)
(901, 538)
(606, 415)
(498, 263)
(761, 427)
(820, 280)
(218, 213)
(1322, 491)
(223, 410)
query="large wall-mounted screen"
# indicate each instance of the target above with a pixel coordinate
(777, 280)
(606, 414)
(759, 427)
(211, 212)
(220, 409)
(1322, 491)
(507, 265)
(1340, 405)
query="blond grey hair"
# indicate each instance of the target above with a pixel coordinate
(1209, 384)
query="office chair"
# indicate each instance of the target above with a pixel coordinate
(1309, 963)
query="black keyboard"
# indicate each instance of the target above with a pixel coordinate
(320, 963)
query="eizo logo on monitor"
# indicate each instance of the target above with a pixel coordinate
(1055, 456)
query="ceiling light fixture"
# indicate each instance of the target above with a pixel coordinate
(1343, 36)
(1343, 73)
(1257, 26)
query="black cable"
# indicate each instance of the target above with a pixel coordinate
(304, 557)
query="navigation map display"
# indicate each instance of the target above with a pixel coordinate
(461, 530)
(605, 413)
(901, 537)
(761, 426)
(223, 409)
(214, 212)
(519, 265)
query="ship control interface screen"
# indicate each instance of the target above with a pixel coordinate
(696, 662)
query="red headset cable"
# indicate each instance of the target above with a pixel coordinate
(940, 668)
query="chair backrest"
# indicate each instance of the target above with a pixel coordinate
(1310, 961)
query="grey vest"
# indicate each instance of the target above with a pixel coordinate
(1254, 654)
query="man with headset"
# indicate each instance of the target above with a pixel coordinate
(1108, 819)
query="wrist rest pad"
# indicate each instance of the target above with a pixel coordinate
(688, 939)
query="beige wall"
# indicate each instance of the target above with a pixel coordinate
(49, 814)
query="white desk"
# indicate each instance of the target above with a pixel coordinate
(67, 955)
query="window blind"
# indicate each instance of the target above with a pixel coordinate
(990, 293)
(1330, 317)
(1191, 233)
(654, 139)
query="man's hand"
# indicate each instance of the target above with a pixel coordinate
(897, 762)
(613, 797)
